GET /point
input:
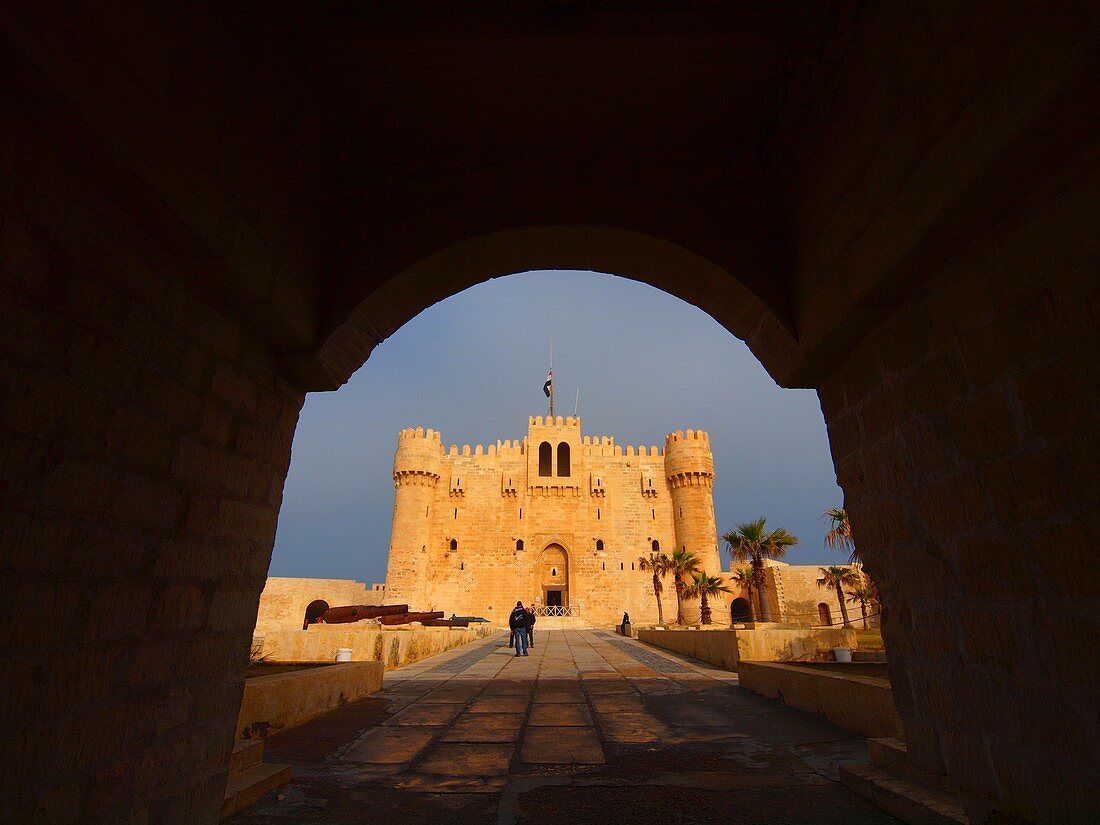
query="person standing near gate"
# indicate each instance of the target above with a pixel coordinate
(517, 623)
(530, 627)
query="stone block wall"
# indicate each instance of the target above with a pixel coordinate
(394, 647)
(726, 648)
(963, 432)
(285, 700)
(145, 441)
(845, 699)
(284, 600)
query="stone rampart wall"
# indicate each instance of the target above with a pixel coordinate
(393, 647)
(284, 600)
(283, 700)
(726, 648)
(853, 702)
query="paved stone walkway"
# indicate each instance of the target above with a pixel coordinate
(590, 728)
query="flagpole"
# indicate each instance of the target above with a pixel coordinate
(578, 402)
(551, 375)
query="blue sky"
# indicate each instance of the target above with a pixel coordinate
(473, 366)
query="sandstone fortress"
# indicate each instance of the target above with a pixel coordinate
(556, 519)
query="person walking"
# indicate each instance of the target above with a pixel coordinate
(530, 627)
(517, 623)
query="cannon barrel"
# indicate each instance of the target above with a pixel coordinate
(443, 623)
(410, 617)
(358, 612)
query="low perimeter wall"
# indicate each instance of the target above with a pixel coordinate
(853, 702)
(726, 648)
(274, 703)
(393, 647)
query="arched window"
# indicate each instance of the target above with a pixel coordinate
(599, 545)
(519, 545)
(546, 458)
(454, 545)
(824, 614)
(656, 546)
(563, 459)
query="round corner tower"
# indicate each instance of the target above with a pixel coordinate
(689, 471)
(417, 466)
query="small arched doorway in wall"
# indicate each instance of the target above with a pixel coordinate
(314, 611)
(554, 576)
(824, 614)
(740, 610)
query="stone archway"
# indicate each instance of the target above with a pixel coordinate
(181, 269)
(314, 611)
(553, 574)
(740, 610)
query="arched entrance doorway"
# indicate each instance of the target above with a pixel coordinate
(554, 578)
(740, 610)
(824, 615)
(314, 611)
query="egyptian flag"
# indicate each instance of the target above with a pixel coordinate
(549, 383)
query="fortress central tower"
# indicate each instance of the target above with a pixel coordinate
(555, 519)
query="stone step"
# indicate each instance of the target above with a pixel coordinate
(246, 753)
(903, 797)
(892, 756)
(246, 787)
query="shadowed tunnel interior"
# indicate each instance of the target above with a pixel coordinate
(206, 216)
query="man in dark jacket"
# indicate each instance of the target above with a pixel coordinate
(517, 623)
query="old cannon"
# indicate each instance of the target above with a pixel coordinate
(358, 612)
(405, 618)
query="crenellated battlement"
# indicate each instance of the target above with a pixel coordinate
(688, 457)
(687, 437)
(411, 433)
(569, 421)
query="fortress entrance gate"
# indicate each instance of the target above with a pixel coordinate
(554, 576)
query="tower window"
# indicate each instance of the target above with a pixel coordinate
(462, 565)
(597, 514)
(681, 512)
(563, 459)
(425, 512)
(656, 546)
(456, 513)
(454, 545)
(521, 514)
(632, 565)
(622, 566)
(546, 459)
(519, 545)
(599, 545)
(603, 565)
(653, 514)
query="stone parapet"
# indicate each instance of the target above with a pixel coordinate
(394, 647)
(728, 648)
(284, 700)
(851, 701)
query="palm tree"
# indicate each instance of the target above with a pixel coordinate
(862, 592)
(837, 577)
(658, 563)
(681, 563)
(744, 577)
(752, 542)
(839, 536)
(702, 587)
